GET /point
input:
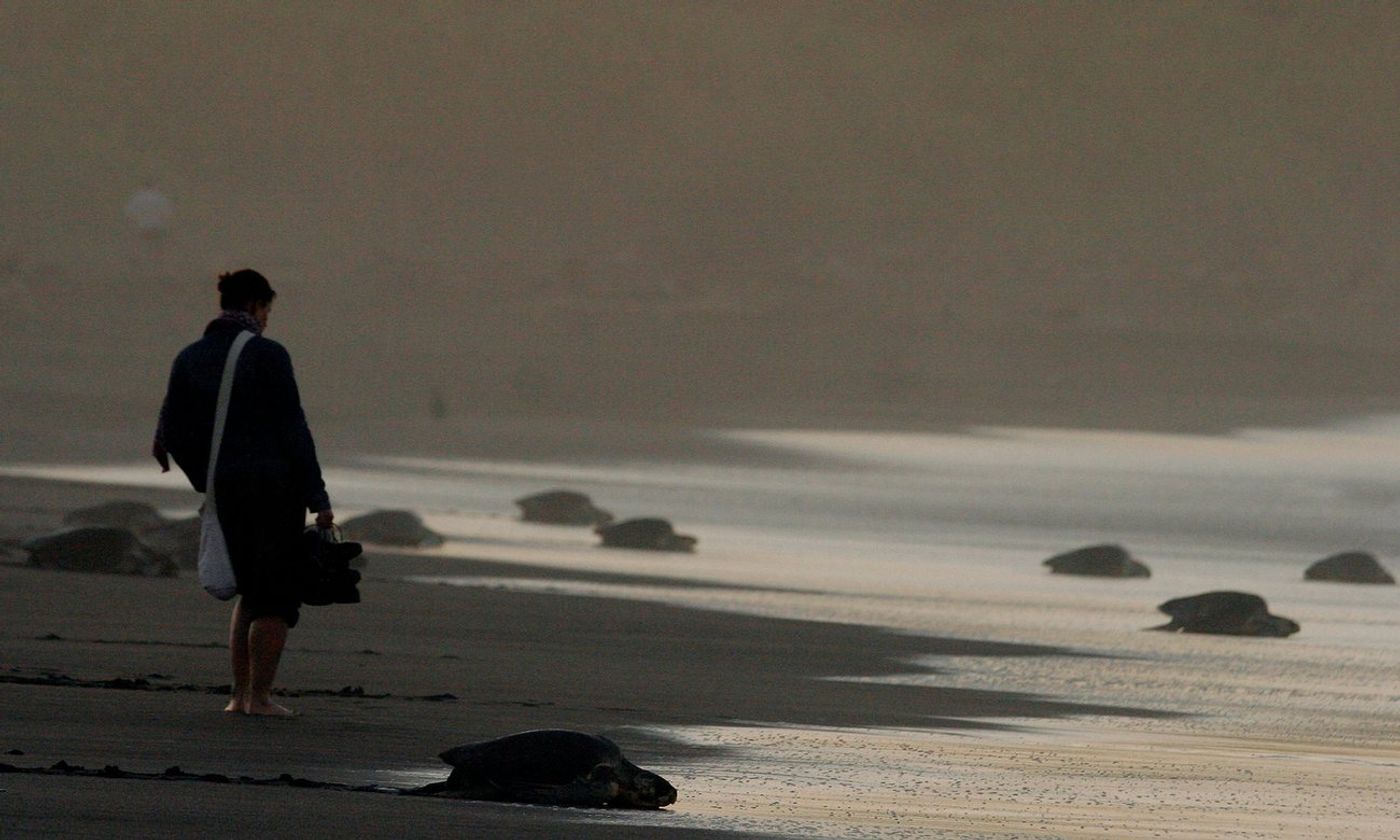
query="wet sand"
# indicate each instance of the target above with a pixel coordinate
(744, 713)
(438, 665)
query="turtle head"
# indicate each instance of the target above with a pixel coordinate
(646, 790)
(1275, 625)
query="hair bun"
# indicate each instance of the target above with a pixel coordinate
(239, 288)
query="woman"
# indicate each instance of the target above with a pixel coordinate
(266, 478)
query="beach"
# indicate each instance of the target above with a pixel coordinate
(885, 304)
(864, 645)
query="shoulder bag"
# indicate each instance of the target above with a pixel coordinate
(215, 567)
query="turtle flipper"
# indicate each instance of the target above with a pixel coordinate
(449, 790)
(599, 789)
(433, 789)
(583, 793)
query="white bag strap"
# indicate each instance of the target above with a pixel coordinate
(221, 413)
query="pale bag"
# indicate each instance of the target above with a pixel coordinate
(215, 568)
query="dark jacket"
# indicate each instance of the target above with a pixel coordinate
(265, 437)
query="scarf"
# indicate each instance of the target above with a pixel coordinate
(242, 319)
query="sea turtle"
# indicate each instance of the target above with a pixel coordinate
(1227, 613)
(177, 539)
(1098, 560)
(648, 532)
(550, 767)
(1349, 567)
(134, 516)
(98, 549)
(391, 527)
(561, 507)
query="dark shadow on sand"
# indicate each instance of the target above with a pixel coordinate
(676, 665)
(385, 565)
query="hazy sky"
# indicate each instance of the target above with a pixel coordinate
(1103, 164)
(912, 143)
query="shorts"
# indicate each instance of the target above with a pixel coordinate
(262, 521)
(256, 608)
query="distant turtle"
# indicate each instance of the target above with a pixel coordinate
(1227, 613)
(98, 549)
(649, 533)
(1098, 560)
(391, 527)
(561, 507)
(176, 539)
(133, 516)
(550, 767)
(1349, 567)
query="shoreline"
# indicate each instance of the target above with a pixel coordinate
(91, 427)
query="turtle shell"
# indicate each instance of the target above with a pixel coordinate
(134, 516)
(1099, 561)
(97, 549)
(1227, 613)
(391, 527)
(551, 767)
(646, 533)
(561, 507)
(1349, 567)
(540, 756)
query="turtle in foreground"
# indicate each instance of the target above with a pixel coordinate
(1226, 613)
(391, 527)
(550, 767)
(648, 533)
(561, 507)
(1098, 561)
(1349, 567)
(98, 549)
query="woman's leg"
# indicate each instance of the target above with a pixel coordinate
(239, 657)
(262, 523)
(266, 638)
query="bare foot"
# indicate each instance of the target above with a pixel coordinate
(235, 707)
(268, 708)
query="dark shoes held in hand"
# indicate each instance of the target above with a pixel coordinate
(326, 576)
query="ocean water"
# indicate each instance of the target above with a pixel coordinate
(944, 535)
